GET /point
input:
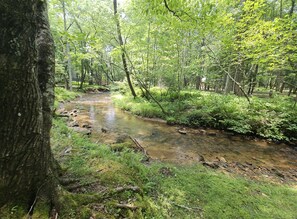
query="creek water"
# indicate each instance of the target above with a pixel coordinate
(165, 143)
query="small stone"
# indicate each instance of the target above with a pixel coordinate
(86, 125)
(182, 131)
(222, 159)
(200, 158)
(104, 130)
(73, 124)
(211, 133)
(68, 150)
(202, 131)
(211, 165)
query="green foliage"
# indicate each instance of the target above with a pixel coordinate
(138, 106)
(62, 95)
(273, 118)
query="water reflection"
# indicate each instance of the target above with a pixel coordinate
(164, 142)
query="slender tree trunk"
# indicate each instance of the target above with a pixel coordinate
(238, 78)
(252, 79)
(67, 49)
(198, 82)
(120, 38)
(290, 91)
(83, 73)
(282, 87)
(281, 9)
(293, 2)
(228, 84)
(26, 87)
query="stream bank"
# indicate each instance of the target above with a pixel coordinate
(95, 115)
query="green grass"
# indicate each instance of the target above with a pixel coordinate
(168, 190)
(62, 95)
(179, 194)
(191, 191)
(272, 118)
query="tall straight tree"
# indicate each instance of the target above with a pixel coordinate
(121, 42)
(26, 88)
(67, 48)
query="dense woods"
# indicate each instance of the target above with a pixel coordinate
(242, 48)
(221, 73)
(226, 46)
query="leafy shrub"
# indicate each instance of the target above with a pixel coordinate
(273, 118)
(200, 118)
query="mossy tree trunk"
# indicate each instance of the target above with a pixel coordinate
(26, 98)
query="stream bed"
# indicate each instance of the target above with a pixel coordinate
(217, 149)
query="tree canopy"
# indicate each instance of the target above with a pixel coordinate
(226, 46)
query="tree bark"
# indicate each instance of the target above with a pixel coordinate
(26, 87)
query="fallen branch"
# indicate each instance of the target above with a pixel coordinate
(138, 145)
(187, 208)
(198, 209)
(77, 186)
(142, 84)
(228, 74)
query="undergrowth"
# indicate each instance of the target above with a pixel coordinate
(271, 118)
(167, 190)
(62, 95)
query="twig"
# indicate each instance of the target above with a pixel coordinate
(139, 146)
(127, 206)
(74, 187)
(170, 10)
(35, 200)
(198, 209)
(187, 208)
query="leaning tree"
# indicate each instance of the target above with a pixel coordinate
(26, 98)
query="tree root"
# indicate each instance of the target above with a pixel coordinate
(78, 186)
(108, 193)
(67, 181)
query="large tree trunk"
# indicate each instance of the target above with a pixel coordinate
(26, 87)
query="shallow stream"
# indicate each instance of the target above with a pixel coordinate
(165, 143)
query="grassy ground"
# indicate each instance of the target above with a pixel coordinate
(272, 118)
(115, 182)
(166, 190)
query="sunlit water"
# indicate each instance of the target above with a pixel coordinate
(165, 143)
